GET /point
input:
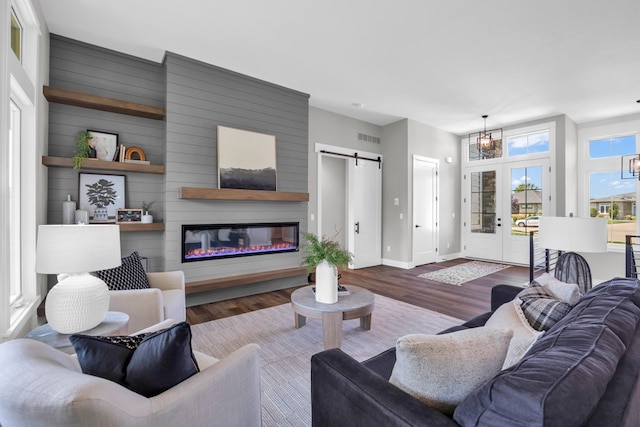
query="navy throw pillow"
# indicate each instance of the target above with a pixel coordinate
(147, 364)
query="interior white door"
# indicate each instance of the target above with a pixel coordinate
(365, 212)
(425, 210)
(483, 212)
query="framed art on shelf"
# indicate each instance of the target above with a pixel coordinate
(105, 144)
(101, 196)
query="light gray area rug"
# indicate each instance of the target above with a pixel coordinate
(459, 274)
(286, 352)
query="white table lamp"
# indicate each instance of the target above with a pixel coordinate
(570, 235)
(79, 301)
(573, 234)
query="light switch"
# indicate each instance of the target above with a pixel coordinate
(396, 201)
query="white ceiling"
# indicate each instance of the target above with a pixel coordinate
(440, 62)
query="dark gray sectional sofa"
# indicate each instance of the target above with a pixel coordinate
(582, 372)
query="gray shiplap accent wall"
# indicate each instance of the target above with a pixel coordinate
(90, 69)
(198, 98)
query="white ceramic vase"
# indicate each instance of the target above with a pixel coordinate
(147, 219)
(326, 283)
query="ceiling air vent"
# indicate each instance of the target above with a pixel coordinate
(369, 138)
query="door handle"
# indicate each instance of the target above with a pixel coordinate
(357, 227)
(418, 226)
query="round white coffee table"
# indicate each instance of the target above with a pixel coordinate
(115, 322)
(358, 304)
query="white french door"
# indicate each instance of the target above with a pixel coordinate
(497, 198)
(483, 218)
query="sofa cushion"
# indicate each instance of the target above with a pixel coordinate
(441, 370)
(566, 372)
(147, 364)
(540, 308)
(510, 316)
(129, 275)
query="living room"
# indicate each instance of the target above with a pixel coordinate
(245, 91)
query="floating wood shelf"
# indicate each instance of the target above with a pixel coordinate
(79, 99)
(138, 226)
(244, 279)
(66, 162)
(233, 194)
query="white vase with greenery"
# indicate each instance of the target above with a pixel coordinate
(325, 255)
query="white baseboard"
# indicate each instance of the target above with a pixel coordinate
(449, 257)
(397, 264)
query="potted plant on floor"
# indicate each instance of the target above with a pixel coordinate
(325, 255)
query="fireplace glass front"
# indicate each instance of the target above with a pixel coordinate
(215, 241)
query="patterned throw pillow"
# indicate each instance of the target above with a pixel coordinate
(540, 308)
(130, 275)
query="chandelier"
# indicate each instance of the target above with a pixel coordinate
(630, 167)
(487, 140)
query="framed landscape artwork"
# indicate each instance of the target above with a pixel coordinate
(246, 160)
(101, 196)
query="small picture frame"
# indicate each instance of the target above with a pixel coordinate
(128, 215)
(105, 144)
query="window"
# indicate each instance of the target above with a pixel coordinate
(612, 147)
(16, 36)
(526, 199)
(528, 144)
(15, 265)
(615, 199)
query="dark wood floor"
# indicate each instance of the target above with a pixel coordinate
(463, 302)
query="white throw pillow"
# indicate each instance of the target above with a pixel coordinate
(565, 292)
(441, 370)
(510, 315)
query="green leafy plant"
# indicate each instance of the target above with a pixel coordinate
(101, 193)
(83, 149)
(146, 206)
(324, 249)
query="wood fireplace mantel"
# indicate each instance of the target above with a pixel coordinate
(234, 194)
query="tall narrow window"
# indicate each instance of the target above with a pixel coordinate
(614, 199)
(483, 202)
(15, 265)
(610, 196)
(16, 36)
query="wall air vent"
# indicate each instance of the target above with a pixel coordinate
(369, 138)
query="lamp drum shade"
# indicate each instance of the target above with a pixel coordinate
(79, 301)
(572, 234)
(77, 248)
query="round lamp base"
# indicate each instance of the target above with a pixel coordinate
(77, 303)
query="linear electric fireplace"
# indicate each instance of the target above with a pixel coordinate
(215, 241)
